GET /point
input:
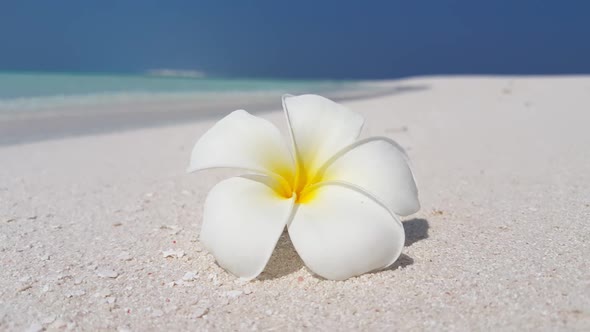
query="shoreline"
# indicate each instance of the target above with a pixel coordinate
(31, 126)
(27, 126)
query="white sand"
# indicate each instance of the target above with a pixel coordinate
(501, 243)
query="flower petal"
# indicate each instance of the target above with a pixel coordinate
(243, 219)
(380, 167)
(319, 128)
(343, 232)
(241, 140)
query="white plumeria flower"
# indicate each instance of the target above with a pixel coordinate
(338, 196)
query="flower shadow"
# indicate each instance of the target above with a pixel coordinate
(284, 260)
(403, 261)
(416, 230)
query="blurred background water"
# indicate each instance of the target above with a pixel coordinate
(33, 91)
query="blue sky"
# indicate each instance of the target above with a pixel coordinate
(297, 39)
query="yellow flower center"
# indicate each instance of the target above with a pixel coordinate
(300, 184)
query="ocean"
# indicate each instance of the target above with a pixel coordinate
(21, 92)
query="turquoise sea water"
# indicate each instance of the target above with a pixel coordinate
(43, 90)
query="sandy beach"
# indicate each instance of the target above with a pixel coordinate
(101, 231)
